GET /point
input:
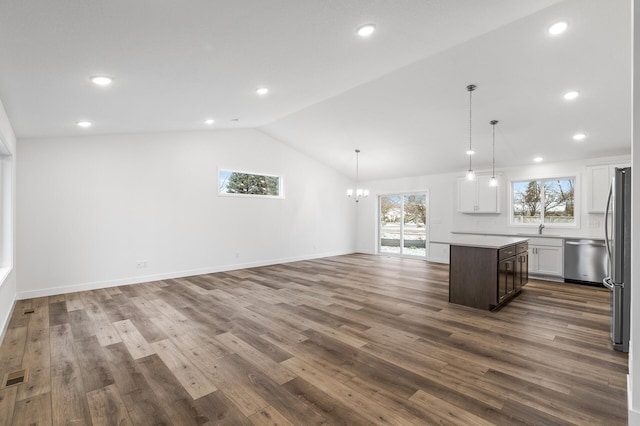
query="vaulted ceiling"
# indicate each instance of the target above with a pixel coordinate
(399, 95)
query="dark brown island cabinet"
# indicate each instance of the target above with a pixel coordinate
(487, 274)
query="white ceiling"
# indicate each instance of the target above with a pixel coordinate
(399, 96)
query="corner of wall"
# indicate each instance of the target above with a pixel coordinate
(8, 297)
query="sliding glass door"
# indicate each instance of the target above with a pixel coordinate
(403, 224)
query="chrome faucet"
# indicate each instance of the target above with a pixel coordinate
(540, 228)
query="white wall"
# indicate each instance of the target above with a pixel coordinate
(634, 350)
(444, 218)
(8, 285)
(91, 207)
(441, 193)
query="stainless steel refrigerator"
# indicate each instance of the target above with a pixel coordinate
(618, 240)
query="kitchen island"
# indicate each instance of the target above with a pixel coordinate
(485, 272)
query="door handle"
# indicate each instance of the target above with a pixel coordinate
(608, 283)
(573, 243)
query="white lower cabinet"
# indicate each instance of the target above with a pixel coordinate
(546, 257)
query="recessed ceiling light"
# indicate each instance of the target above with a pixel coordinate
(558, 28)
(366, 30)
(571, 95)
(101, 80)
(209, 121)
(538, 159)
(262, 91)
(470, 152)
(84, 124)
(579, 136)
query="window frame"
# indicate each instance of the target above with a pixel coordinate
(280, 195)
(7, 245)
(576, 202)
(427, 225)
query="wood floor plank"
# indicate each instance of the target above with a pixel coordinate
(220, 410)
(124, 370)
(269, 416)
(7, 405)
(58, 313)
(229, 380)
(177, 332)
(74, 302)
(142, 404)
(185, 371)
(37, 359)
(144, 408)
(133, 339)
(33, 411)
(12, 349)
(271, 368)
(81, 325)
(354, 400)
(107, 408)
(174, 399)
(273, 394)
(168, 311)
(447, 412)
(343, 340)
(104, 330)
(95, 370)
(329, 407)
(68, 397)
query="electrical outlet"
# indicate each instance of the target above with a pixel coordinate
(141, 264)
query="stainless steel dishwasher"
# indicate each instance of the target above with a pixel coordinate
(585, 261)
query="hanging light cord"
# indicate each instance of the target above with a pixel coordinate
(357, 170)
(470, 88)
(493, 172)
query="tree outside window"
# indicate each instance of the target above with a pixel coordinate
(544, 201)
(241, 183)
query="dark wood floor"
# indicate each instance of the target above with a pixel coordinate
(345, 340)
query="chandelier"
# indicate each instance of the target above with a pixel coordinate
(359, 192)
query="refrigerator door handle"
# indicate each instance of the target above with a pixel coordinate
(607, 242)
(608, 283)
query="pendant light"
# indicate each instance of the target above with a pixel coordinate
(470, 174)
(493, 181)
(359, 192)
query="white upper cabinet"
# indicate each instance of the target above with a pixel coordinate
(598, 183)
(477, 196)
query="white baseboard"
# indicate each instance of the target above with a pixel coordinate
(165, 276)
(5, 322)
(547, 278)
(633, 415)
(439, 260)
(365, 251)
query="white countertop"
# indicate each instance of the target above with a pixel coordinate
(483, 241)
(528, 235)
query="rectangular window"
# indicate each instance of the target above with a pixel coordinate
(544, 201)
(403, 224)
(234, 182)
